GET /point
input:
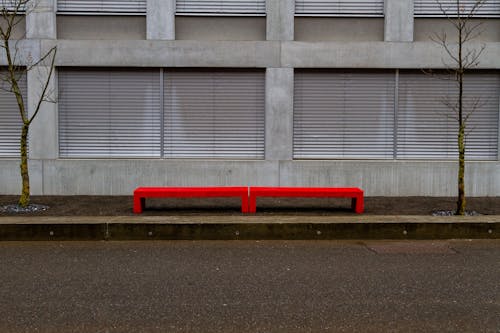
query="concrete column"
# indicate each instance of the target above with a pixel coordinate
(41, 24)
(280, 19)
(399, 20)
(279, 113)
(160, 22)
(43, 139)
(41, 20)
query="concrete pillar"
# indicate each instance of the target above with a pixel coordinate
(43, 139)
(41, 20)
(160, 22)
(399, 20)
(41, 24)
(280, 19)
(279, 113)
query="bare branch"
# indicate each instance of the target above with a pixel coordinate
(472, 32)
(42, 59)
(441, 40)
(477, 5)
(472, 57)
(53, 52)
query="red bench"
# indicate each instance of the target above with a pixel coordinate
(141, 193)
(357, 202)
(248, 195)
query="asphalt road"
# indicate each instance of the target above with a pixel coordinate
(250, 286)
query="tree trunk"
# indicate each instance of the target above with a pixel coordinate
(461, 171)
(24, 200)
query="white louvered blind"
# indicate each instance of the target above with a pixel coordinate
(425, 129)
(109, 113)
(354, 8)
(221, 7)
(343, 115)
(102, 7)
(10, 120)
(431, 8)
(214, 114)
(13, 5)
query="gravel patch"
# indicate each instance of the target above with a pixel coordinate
(16, 209)
(453, 212)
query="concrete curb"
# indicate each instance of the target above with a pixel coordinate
(225, 227)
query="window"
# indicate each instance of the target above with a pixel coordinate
(216, 114)
(221, 7)
(358, 115)
(101, 7)
(343, 114)
(428, 129)
(430, 8)
(109, 113)
(352, 8)
(10, 119)
(120, 113)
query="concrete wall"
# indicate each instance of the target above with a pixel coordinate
(100, 27)
(220, 28)
(377, 178)
(160, 19)
(398, 20)
(339, 29)
(279, 19)
(41, 19)
(244, 42)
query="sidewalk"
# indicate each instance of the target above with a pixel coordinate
(253, 227)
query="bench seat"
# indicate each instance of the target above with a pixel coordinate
(141, 193)
(356, 194)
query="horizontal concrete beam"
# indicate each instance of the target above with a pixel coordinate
(394, 178)
(10, 177)
(139, 53)
(121, 177)
(376, 55)
(248, 54)
(376, 178)
(252, 54)
(26, 51)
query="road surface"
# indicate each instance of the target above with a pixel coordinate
(250, 286)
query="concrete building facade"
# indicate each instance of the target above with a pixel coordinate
(272, 93)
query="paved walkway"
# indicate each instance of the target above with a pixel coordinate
(243, 219)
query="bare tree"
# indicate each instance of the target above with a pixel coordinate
(462, 57)
(12, 14)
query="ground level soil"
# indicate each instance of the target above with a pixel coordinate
(122, 205)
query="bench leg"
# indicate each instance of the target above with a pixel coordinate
(357, 204)
(252, 204)
(244, 204)
(138, 204)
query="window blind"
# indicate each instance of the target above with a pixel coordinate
(214, 114)
(221, 7)
(374, 8)
(109, 113)
(343, 114)
(427, 129)
(431, 8)
(10, 119)
(102, 7)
